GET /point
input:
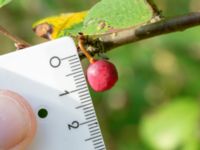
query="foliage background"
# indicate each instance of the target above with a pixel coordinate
(153, 74)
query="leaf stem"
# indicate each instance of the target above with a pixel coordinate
(156, 11)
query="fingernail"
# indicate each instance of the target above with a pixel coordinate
(17, 124)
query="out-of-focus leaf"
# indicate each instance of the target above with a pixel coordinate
(4, 2)
(171, 126)
(63, 25)
(116, 14)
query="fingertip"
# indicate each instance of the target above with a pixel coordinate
(17, 121)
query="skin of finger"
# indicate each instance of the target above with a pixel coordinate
(31, 127)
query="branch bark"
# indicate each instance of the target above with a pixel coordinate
(105, 42)
(19, 43)
(121, 37)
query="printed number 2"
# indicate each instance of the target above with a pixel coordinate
(73, 125)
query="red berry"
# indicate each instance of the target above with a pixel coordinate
(102, 75)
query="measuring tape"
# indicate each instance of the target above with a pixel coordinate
(51, 78)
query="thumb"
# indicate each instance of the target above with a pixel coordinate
(17, 122)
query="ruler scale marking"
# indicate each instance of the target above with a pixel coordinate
(73, 59)
(86, 101)
(68, 57)
(83, 93)
(82, 96)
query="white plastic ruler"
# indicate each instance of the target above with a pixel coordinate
(51, 78)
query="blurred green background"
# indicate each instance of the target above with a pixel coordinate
(155, 104)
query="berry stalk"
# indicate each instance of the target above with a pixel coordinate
(85, 52)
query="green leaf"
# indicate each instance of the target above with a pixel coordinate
(74, 30)
(4, 2)
(172, 126)
(116, 14)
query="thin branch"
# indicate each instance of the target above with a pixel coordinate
(125, 36)
(19, 43)
(105, 42)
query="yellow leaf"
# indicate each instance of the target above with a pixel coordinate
(50, 27)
